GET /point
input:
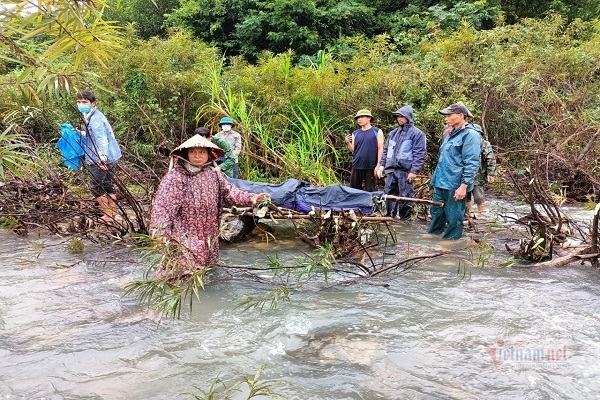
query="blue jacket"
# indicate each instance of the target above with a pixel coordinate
(100, 139)
(459, 159)
(405, 147)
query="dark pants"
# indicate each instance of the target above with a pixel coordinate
(448, 219)
(397, 184)
(101, 181)
(358, 176)
(236, 171)
(478, 194)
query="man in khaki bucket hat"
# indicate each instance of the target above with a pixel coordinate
(366, 145)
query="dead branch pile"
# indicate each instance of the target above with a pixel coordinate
(43, 203)
(548, 227)
(344, 232)
(569, 179)
(47, 202)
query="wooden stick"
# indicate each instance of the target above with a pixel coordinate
(306, 216)
(411, 200)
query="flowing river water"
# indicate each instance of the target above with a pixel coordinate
(68, 332)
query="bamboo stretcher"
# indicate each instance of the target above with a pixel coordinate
(286, 213)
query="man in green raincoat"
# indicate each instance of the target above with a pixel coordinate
(228, 161)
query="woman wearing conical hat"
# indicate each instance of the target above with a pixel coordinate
(187, 206)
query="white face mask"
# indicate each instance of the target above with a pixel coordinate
(226, 128)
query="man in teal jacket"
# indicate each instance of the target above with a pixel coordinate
(455, 172)
(225, 164)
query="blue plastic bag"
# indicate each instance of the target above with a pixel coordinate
(71, 145)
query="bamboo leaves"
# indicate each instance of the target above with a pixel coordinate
(273, 297)
(255, 388)
(52, 41)
(13, 155)
(167, 283)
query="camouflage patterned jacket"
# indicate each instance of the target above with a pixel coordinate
(487, 163)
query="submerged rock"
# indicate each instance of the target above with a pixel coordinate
(236, 227)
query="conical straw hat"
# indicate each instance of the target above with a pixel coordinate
(199, 141)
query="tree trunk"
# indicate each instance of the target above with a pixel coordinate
(564, 260)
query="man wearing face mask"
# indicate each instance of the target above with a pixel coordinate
(234, 139)
(102, 153)
(226, 163)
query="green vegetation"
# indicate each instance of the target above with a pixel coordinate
(13, 155)
(273, 297)
(167, 284)
(250, 387)
(533, 85)
(248, 27)
(75, 246)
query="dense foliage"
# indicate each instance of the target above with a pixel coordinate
(532, 85)
(248, 27)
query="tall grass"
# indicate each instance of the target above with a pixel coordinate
(307, 155)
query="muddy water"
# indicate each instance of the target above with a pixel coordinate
(67, 331)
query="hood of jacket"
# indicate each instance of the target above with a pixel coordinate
(406, 112)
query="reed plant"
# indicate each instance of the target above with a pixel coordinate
(167, 282)
(254, 388)
(210, 86)
(307, 154)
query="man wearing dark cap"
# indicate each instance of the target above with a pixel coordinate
(455, 172)
(403, 157)
(366, 145)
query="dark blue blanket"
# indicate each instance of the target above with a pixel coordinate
(301, 196)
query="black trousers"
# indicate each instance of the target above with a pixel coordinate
(360, 176)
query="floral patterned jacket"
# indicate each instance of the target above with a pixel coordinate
(187, 209)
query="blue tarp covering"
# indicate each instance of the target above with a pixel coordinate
(301, 196)
(335, 197)
(282, 195)
(71, 145)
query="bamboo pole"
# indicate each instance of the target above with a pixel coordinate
(306, 216)
(411, 200)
